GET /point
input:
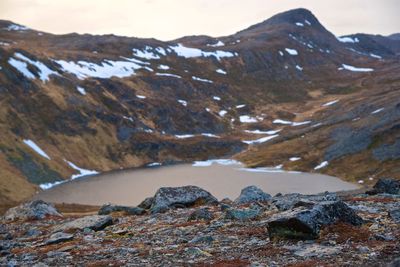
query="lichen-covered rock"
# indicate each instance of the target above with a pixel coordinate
(386, 185)
(35, 210)
(185, 196)
(242, 214)
(289, 201)
(305, 223)
(93, 222)
(252, 194)
(201, 214)
(109, 208)
(146, 203)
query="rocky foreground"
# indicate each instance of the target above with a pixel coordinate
(188, 226)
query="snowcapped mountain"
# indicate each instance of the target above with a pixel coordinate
(77, 104)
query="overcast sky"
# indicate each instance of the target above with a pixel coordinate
(170, 19)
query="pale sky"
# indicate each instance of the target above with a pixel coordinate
(170, 19)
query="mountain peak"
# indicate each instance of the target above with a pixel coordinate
(299, 16)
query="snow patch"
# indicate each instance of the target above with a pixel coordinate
(201, 80)
(218, 44)
(217, 98)
(377, 111)
(168, 74)
(163, 67)
(106, 69)
(295, 158)
(247, 119)
(44, 71)
(81, 90)
(347, 39)
(22, 67)
(240, 106)
(184, 136)
(183, 102)
(141, 96)
(330, 103)
(15, 27)
(260, 140)
(149, 52)
(36, 148)
(189, 52)
(220, 71)
(355, 69)
(292, 52)
(263, 132)
(299, 68)
(82, 172)
(322, 165)
(222, 113)
(279, 121)
(299, 24)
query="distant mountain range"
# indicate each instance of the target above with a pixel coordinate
(285, 92)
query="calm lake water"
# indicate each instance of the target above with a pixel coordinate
(222, 178)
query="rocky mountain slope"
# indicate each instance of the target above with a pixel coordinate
(284, 92)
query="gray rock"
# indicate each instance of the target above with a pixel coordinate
(59, 237)
(93, 222)
(252, 194)
(305, 223)
(394, 263)
(386, 185)
(289, 201)
(242, 214)
(35, 210)
(201, 214)
(109, 208)
(395, 215)
(185, 196)
(146, 203)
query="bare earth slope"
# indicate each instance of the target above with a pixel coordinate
(107, 102)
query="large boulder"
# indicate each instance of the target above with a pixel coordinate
(185, 196)
(93, 222)
(305, 223)
(109, 208)
(252, 194)
(35, 210)
(386, 185)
